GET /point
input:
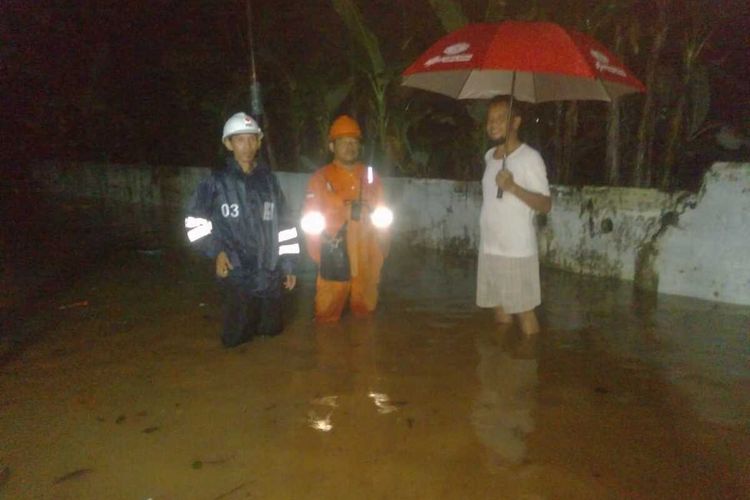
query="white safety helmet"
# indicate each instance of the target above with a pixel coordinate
(241, 123)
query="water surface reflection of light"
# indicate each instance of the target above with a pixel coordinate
(382, 401)
(318, 423)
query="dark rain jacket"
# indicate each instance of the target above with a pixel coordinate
(245, 216)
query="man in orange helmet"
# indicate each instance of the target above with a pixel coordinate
(346, 222)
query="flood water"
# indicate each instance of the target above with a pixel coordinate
(115, 386)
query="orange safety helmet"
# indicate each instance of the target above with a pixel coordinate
(344, 126)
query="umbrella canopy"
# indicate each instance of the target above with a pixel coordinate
(533, 61)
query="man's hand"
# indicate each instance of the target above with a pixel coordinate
(504, 180)
(223, 266)
(290, 281)
(537, 202)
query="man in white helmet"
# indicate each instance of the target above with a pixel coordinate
(238, 218)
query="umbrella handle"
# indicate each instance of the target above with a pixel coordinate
(502, 167)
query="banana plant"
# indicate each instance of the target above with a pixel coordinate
(698, 31)
(377, 75)
(647, 128)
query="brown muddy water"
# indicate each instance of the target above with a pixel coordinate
(117, 388)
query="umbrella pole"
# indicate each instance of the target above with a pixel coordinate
(507, 129)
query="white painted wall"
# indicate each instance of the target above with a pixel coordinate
(599, 230)
(699, 245)
(437, 214)
(707, 254)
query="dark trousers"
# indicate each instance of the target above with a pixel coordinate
(246, 316)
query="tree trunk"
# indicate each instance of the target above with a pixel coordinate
(388, 163)
(646, 129)
(676, 133)
(450, 13)
(613, 158)
(613, 144)
(495, 11)
(569, 135)
(558, 143)
(674, 139)
(676, 136)
(267, 139)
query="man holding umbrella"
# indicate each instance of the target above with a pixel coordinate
(514, 188)
(533, 62)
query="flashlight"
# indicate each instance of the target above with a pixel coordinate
(313, 223)
(381, 217)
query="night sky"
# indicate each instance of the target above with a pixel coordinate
(134, 81)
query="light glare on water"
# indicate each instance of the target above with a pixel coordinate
(618, 397)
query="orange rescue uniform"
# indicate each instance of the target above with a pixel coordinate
(331, 191)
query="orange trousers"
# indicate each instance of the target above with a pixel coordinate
(331, 298)
(361, 291)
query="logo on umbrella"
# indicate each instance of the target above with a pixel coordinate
(452, 54)
(456, 48)
(602, 64)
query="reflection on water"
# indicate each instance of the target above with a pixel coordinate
(607, 404)
(503, 414)
(332, 401)
(382, 402)
(348, 372)
(318, 422)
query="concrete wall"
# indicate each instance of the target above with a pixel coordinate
(600, 230)
(706, 252)
(687, 244)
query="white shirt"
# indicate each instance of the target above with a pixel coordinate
(507, 224)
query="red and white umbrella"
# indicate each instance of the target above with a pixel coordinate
(532, 61)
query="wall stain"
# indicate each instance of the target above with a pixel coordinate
(646, 276)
